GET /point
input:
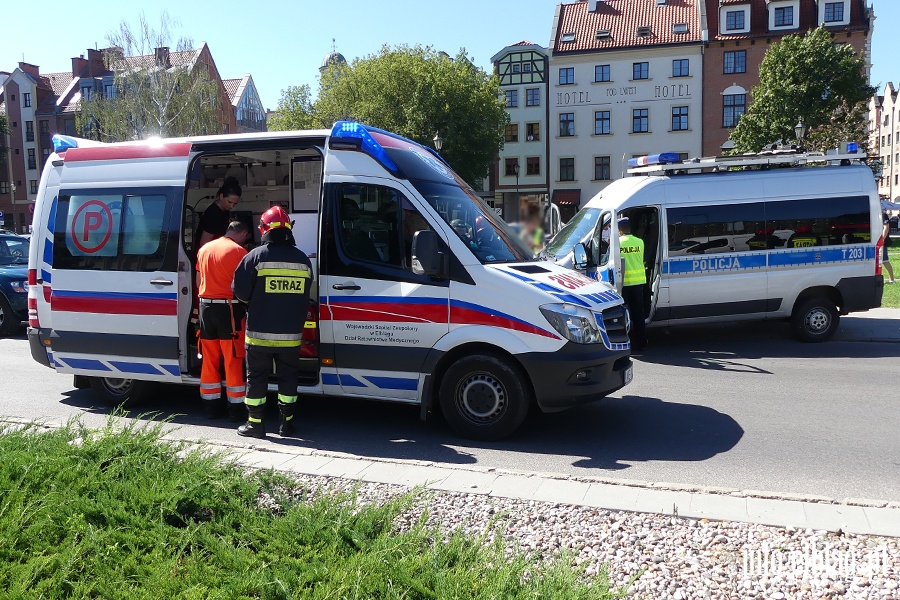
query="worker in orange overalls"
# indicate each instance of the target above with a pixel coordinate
(221, 334)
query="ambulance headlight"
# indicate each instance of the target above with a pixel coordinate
(574, 323)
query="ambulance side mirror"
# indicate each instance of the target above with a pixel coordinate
(426, 254)
(579, 257)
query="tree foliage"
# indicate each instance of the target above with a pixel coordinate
(169, 95)
(417, 92)
(806, 76)
(4, 130)
(295, 110)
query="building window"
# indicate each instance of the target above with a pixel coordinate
(784, 16)
(510, 165)
(32, 161)
(567, 76)
(640, 120)
(512, 98)
(532, 132)
(26, 99)
(567, 169)
(601, 168)
(736, 62)
(45, 126)
(512, 133)
(680, 67)
(679, 118)
(734, 20)
(29, 131)
(733, 106)
(533, 165)
(109, 91)
(86, 93)
(834, 11)
(601, 122)
(45, 154)
(533, 97)
(4, 187)
(32, 186)
(517, 68)
(640, 70)
(566, 124)
(601, 73)
(526, 67)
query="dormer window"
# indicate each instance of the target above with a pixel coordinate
(834, 12)
(643, 31)
(784, 14)
(734, 19)
(680, 28)
(568, 37)
(603, 34)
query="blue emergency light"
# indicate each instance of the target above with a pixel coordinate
(61, 143)
(356, 135)
(665, 158)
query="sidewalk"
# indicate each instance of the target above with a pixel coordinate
(876, 325)
(858, 516)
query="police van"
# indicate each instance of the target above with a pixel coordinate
(778, 235)
(409, 309)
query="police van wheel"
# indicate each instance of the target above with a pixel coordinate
(815, 320)
(483, 397)
(113, 391)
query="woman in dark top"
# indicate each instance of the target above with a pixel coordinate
(215, 219)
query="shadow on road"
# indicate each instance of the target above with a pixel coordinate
(607, 434)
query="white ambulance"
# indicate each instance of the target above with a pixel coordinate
(409, 308)
(768, 236)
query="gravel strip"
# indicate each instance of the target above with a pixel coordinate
(674, 557)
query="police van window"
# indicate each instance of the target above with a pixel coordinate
(113, 231)
(377, 224)
(820, 222)
(717, 229)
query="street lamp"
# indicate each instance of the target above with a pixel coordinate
(800, 132)
(438, 141)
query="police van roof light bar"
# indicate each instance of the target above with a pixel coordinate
(654, 159)
(761, 160)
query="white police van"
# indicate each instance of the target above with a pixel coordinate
(409, 308)
(744, 237)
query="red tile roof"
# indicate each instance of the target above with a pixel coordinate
(622, 18)
(525, 43)
(231, 86)
(759, 21)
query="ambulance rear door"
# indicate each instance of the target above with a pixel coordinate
(115, 262)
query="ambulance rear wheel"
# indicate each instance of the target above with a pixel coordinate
(113, 391)
(815, 320)
(483, 397)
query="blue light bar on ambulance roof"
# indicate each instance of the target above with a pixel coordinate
(61, 143)
(355, 134)
(654, 159)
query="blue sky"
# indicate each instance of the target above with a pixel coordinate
(282, 42)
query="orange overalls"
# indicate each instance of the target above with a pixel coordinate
(221, 335)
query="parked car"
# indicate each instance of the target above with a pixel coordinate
(13, 283)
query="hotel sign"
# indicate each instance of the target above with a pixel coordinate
(634, 93)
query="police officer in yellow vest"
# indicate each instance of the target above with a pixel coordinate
(634, 278)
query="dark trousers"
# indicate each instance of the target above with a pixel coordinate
(634, 300)
(260, 362)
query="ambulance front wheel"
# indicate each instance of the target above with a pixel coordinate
(815, 320)
(120, 392)
(483, 397)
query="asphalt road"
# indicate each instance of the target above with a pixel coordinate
(740, 406)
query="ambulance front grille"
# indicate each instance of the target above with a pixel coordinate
(615, 320)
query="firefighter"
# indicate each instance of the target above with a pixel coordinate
(221, 336)
(274, 280)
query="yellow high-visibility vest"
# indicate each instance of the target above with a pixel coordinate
(632, 249)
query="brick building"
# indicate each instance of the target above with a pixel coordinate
(740, 32)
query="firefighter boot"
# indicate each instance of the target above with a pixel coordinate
(215, 409)
(286, 424)
(237, 412)
(254, 426)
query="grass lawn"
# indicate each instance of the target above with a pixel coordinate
(891, 298)
(120, 514)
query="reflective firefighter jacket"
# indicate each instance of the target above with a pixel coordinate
(274, 279)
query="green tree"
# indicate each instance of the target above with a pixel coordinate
(295, 110)
(806, 76)
(4, 131)
(165, 94)
(417, 92)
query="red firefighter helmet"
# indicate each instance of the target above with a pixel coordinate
(274, 218)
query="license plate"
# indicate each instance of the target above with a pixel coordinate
(629, 375)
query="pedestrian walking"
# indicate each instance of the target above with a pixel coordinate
(634, 278)
(221, 336)
(274, 280)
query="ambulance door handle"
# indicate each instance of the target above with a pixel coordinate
(161, 282)
(345, 286)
